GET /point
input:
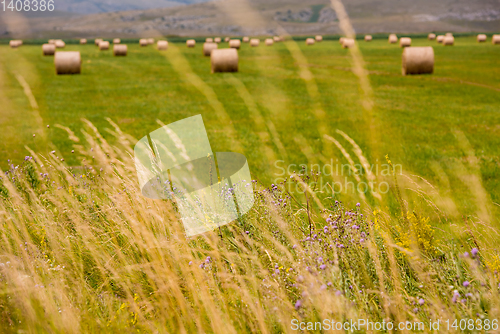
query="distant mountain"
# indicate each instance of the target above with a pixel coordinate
(104, 6)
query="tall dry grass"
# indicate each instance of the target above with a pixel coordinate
(82, 251)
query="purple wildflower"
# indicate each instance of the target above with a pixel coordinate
(322, 267)
(466, 283)
(298, 304)
(474, 251)
(421, 301)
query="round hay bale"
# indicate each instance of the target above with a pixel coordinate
(104, 45)
(52, 41)
(431, 37)
(224, 60)
(448, 34)
(481, 38)
(227, 39)
(68, 62)
(254, 42)
(235, 44)
(318, 38)
(269, 41)
(418, 60)
(393, 38)
(208, 48)
(162, 45)
(14, 43)
(495, 39)
(97, 41)
(341, 40)
(83, 41)
(277, 39)
(190, 43)
(209, 40)
(440, 38)
(246, 39)
(449, 40)
(120, 50)
(310, 41)
(347, 43)
(151, 41)
(404, 42)
(368, 38)
(48, 49)
(217, 40)
(117, 41)
(60, 44)
(143, 42)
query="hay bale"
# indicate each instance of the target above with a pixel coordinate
(68, 62)
(104, 45)
(235, 44)
(162, 45)
(209, 40)
(208, 48)
(449, 40)
(246, 39)
(254, 42)
(368, 38)
(217, 40)
(448, 34)
(83, 41)
(277, 39)
(120, 50)
(190, 43)
(48, 49)
(404, 42)
(347, 43)
(52, 41)
(151, 41)
(318, 38)
(97, 41)
(418, 60)
(341, 40)
(224, 60)
(495, 39)
(440, 38)
(310, 41)
(481, 38)
(269, 41)
(15, 43)
(431, 37)
(227, 39)
(393, 38)
(143, 42)
(60, 44)
(117, 41)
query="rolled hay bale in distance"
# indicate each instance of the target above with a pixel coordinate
(83, 41)
(495, 39)
(368, 38)
(440, 38)
(449, 40)
(97, 41)
(14, 43)
(404, 42)
(393, 38)
(224, 60)
(254, 42)
(310, 41)
(246, 39)
(143, 42)
(277, 39)
(151, 41)
(68, 62)
(48, 49)
(190, 43)
(209, 40)
(318, 38)
(208, 48)
(104, 45)
(52, 41)
(60, 44)
(162, 45)
(217, 40)
(235, 44)
(120, 50)
(481, 38)
(117, 41)
(418, 60)
(448, 34)
(269, 41)
(347, 43)
(227, 39)
(431, 37)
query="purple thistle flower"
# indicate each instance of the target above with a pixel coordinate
(466, 254)
(358, 205)
(294, 246)
(466, 283)
(322, 267)
(298, 304)
(474, 251)
(421, 301)
(323, 287)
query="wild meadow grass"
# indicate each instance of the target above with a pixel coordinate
(83, 252)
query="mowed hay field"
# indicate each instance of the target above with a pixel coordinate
(83, 251)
